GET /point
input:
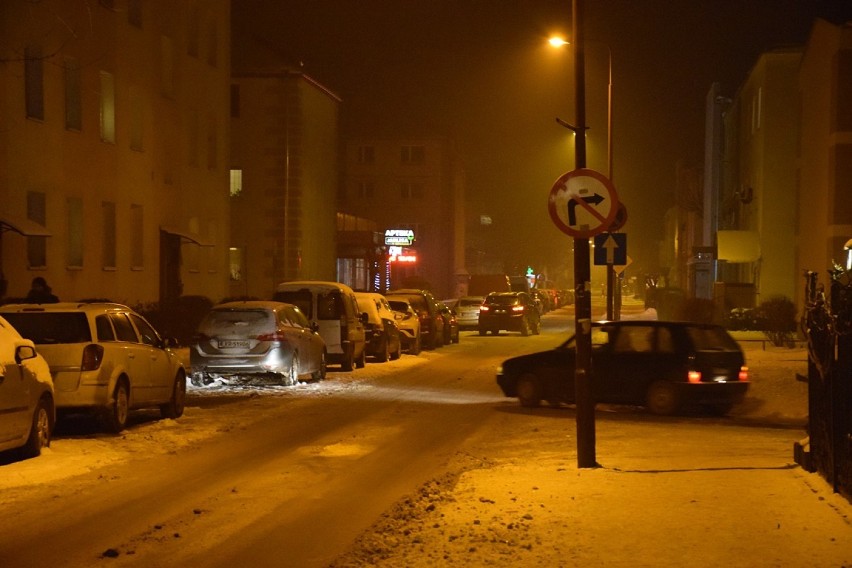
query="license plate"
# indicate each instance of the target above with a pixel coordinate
(233, 344)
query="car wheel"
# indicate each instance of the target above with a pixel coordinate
(529, 390)
(292, 376)
(456, 337)
(319, 374)
(348, 362)
(483, 331)
(39, 431)
(115, 417)
(174, 408)
(362, 360)
(662, 398)
(537, 328)
(525, 328)
(720, 408)
(416, 347)
(384, 353)
(398, 353)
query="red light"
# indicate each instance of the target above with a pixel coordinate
(92, 356)
(484, 308)
(743, 376)
(517, 308)
(271, 337)
(694, 376)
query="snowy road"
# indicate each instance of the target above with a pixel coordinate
(264, 476)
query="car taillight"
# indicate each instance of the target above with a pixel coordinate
(484, 308)
(92, 356)
(271, 337)
(694, 376)
(743, 376)
(517, 308)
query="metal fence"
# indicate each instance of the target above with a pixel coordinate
(827, 326)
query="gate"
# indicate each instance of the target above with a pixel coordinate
(827, 325)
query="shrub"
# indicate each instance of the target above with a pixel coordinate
(698, 310)
(778, 316)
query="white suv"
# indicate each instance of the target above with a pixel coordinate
(27, 411)
(104, 357)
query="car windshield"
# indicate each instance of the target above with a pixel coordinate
(249, 323)
(418, 303)
(51, 327)
(711, 339)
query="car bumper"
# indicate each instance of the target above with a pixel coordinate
(274, 361)
(507, 322)
(713, 392)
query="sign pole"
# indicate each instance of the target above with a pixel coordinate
(582, 273)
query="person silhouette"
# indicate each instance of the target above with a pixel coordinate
(40, 292)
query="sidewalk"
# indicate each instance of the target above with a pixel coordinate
(668, 493)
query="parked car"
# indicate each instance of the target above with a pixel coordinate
(409, 324)
(426, 306)
(657, 364)
(512, 311)
(451, 324)
(257, 338)
(27, 404)
(332, 306)
(467, 311)
(105, 358)
(382, 330)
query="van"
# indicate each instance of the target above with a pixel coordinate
(333, 307)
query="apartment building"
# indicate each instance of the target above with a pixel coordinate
(114, 138)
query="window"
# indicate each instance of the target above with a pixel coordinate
(411, 190)
(192, 141)
(365, 190)
(107, 107)
(34, 81)
(108, 241)
(103, 328)
(134, 13)
(236, 183)
(192, 32)
(75, 233)
(413, 154)
(212, 142)
(235, 261)
(146, 332)
(167, 67)
(136, 120)
(366, 154)
(212, 44)
(235, 101)
(37, 246)
(137, 237)
(73, 95)
(123, 329)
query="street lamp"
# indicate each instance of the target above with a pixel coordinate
(559, 42)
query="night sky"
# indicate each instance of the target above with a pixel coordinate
(480, 72)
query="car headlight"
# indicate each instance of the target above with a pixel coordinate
(500, 369)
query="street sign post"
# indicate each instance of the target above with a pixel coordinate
(583, 203)
(611, 249)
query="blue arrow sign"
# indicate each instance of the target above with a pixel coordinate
(611, 248)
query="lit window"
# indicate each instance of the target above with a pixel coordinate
(107, 107)
(236, 183)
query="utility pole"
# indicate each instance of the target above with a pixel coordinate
(582, 272)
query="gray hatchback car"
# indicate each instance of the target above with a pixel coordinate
(257, 338)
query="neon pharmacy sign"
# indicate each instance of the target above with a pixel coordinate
(399, 237)
(398, 254)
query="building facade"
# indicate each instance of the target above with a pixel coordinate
(284, 179)
(415, 188)
(113, 170)
(824, 203)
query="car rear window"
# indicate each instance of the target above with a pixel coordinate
(398, 306)
(301, 298)
(237, 322)
(503, 300)
(47, 328)
(464, 302)
(711, 339)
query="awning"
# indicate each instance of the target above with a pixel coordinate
(187, 236)
(23, 226)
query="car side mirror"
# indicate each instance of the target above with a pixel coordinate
(24, 352)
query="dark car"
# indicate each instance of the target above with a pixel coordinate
(512, 311)
(660, 365)
(428, 310)
(451, 324)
